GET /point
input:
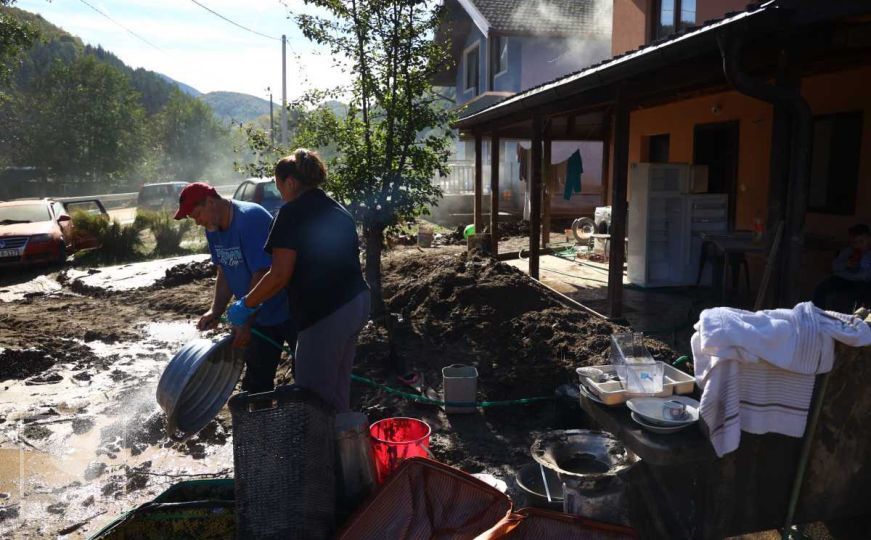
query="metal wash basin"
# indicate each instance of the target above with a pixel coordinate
(196, 383)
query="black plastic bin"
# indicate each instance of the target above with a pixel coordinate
(283, 453)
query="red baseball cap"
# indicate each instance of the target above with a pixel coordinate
(191, 196)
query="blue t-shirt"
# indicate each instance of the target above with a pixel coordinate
(239, 252)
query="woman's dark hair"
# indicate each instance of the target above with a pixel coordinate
(304, 166)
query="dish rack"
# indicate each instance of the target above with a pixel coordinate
(611, 392)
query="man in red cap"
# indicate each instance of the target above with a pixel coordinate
(236, 232)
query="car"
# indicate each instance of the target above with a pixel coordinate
(161, 197)
(261, 191)
(34, 231)
(94, 207)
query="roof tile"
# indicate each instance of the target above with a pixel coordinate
(550, 17)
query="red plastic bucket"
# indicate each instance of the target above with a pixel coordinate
(397, 439)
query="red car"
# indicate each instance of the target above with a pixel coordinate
(39, 231)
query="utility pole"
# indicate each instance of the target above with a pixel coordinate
(271, 120)
(283, 90)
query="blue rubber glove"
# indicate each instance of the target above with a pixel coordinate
(239, 313)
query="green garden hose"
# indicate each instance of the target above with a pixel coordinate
(406, 395)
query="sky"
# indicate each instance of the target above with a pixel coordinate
(186, 42)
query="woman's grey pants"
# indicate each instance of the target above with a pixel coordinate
(325, 352)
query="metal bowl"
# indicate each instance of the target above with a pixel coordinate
(196, 383)
(586, 458)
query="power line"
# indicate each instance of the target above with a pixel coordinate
(234, 23)
(129, 31)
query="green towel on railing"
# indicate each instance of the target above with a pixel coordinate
(574, 169)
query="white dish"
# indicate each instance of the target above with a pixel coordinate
(653, 411)
(663, 430)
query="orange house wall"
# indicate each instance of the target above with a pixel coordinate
(629, 25)
(754, 141)
(843, 91)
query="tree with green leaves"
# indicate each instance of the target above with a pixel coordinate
(188, 138)
(15, 35)
(393, 138)
(84, 122)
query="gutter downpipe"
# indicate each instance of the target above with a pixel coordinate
(800, 148)
(796, 207)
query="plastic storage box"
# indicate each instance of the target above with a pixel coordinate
(638, 371)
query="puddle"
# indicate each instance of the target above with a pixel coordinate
(38, 285)
(132, 276)
(95, 443)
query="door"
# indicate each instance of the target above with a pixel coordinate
(716, 145)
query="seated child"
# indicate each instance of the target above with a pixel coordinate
(851, 279)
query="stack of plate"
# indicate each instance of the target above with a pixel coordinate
(663, 415)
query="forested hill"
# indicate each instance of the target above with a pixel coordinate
(233, 106)
(86, 117)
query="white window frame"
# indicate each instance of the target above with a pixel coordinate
(466, 51)
(504, 43)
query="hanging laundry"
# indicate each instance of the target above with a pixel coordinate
(574, 170)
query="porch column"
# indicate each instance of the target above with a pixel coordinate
(535, 197)
(479, 185)
(619, 190)
(547, 182)
(606, 160)
(494, 195)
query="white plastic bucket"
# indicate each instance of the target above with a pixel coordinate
(460, 383)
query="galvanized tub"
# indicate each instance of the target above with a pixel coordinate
(196, 383)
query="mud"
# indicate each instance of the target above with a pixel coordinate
(524, 342)
(94, 439)
(521, 337)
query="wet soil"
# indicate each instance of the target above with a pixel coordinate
(524, 341)
(92, 342)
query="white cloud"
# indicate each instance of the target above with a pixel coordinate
(196, 47)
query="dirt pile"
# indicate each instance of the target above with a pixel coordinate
(461, 309)
(182, 274)
(22, 363)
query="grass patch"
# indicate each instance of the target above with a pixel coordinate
(168, 232)
(117, 242)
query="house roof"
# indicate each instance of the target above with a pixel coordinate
(761, 18)
(546, 18)
(648, 56)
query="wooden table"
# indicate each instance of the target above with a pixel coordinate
(732, 244)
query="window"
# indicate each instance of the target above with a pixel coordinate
(835, 163)
(472, 69)
(657, 148)
(670, 16)
(500, 55)
(248, 193)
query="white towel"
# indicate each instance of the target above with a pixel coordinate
(757, 370)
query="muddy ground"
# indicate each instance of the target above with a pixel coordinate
(81, 436)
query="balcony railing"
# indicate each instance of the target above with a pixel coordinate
(461, 177)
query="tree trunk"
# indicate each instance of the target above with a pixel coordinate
(378, 311)
(374, 241)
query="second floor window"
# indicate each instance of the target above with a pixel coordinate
(500, 55)
(472, 70)
(670, 16)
